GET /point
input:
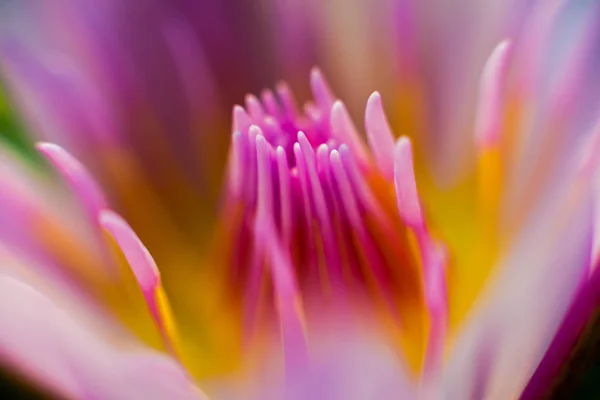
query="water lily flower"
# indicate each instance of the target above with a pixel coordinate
(456, 260)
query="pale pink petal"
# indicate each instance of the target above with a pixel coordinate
(29, 198)
(45, 342)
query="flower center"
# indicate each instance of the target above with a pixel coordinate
(312, 218)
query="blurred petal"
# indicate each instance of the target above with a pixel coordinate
(74, 359)
(349, 360)
(512, 326)
(39, 218)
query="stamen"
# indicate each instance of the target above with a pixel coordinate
(345, 190)
(146, 273)
(289, 305)
(315, 207)
(271, 129)
(313, 112)
(433, 257)
(255, 108)
(250, 171)
(285, 195)
(361, 187)
(241, 119)
(288, 101)
(344, 131)
(323, 159)
(302, 175)
(436, 297)
(405, 184)
(321, 209)
(380, 136)
(368, 247)
(288, 300)
(488, 123)
(263, 160)
(320, 89)
(237, 162)
(262, 217)
(270, 103)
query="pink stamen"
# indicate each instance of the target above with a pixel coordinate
(310, 170)
(433, 257)
(288, 304)
(405, 184)
(302, 176)
(489, 112)
(313, 112)
(241, 119)
(380, 136)
(324, 171)
(271, 129)
(250, 171)
(320, 89)
(345, 190)
(434, 265)
(237, 162)
(264, 209)
(320, 204)
(265, 195)
(350, 205)
(361, 188)
(323, 158)
(288, 299)
(344, 131)
(285, 195)
(290, 106)
(255, 108)
(270, 103)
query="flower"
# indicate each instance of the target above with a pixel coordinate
(333, 268)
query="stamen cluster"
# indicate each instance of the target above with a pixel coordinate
(313, 214)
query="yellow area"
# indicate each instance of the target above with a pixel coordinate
(167, 322)
(204, 319)
(465, 216)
